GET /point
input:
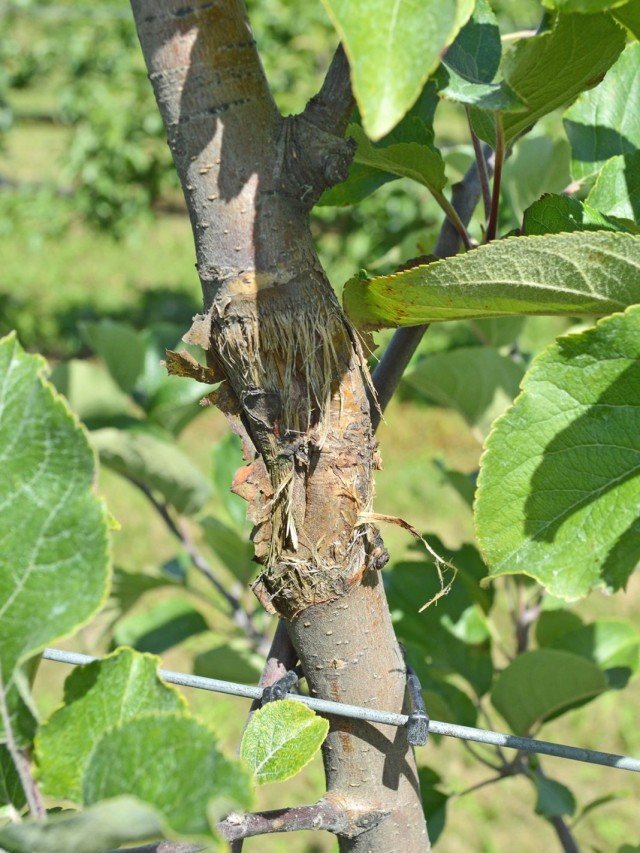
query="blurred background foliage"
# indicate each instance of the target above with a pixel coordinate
(97, 273)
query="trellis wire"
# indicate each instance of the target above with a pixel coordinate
(523, 744)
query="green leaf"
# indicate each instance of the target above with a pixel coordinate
(555, 214)
(559, 489)
(553, 798)
(171, 762)
(230, 660)
(160, 626)
(281, 739)
(54, 560)
(105, 826)
(392, 48)
(157, 463)
(629, 16)
(551, 69)
(612, 644)
(586, 7)
(471, 63)
(579, 273)
(128, 587)
(434, 802)
(120, 346)
(11, 790)
(97, 697)
(419, 161)
(540, 684)
(362, 181)
(478, 382)
(230, 548)
(538, 165)
(606, 121)
(435, 633)
(176, 403)
(616, 191)
(552, 625)
(91, 393)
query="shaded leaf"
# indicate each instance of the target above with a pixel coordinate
(155, 462)
(549, 70)
(11, 791)
(477, 382)
(362, 181)
(171, 762)
(434, 802)
(555, 214)
(97, 697)
(91, 393)
(227, 458)
(553, 799)
(54, 561)
(235, 552)
(612, 644)
(606, 121)
(552, 625)
(579, 273)
(120, 346)
(629, 16)
(104, 826)
(128, 587)
(392, 49)
(538, 165)
(559, 490)
(540, 684)
(159, 626)
(281, 739)
(231, 660)
(616, 191)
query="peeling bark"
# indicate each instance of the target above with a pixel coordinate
(295, 381)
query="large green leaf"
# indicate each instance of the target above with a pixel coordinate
(559, 485)
(105, 826)
(155, 462)
(579, 273)
(476, 381)
(97, 697)
(171, 762)
(551, 69)
(540, 684)
(160, 626)
(538, 165)
(617, 189)
(557, 214)
(54, 560)
(606, 121)
(393, 46)
(234, 551)
(281, 739)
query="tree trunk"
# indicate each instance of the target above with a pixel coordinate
(294, 384)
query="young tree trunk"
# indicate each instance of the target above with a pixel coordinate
(294, 384)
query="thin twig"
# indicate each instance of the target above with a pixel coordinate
(238, 613)
(482, 167)
(565, 836)
(473, 788)
(20, 760)
(492, 225)
(481, 758)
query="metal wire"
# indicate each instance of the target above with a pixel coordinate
(523, 744)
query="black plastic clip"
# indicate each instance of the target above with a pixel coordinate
(280, 688)
(418, 722)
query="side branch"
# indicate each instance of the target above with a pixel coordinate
(331, 108)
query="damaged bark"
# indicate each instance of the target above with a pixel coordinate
(294, 383)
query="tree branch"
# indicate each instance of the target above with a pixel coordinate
(323, 815)
(388, 373)
(331, 108)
